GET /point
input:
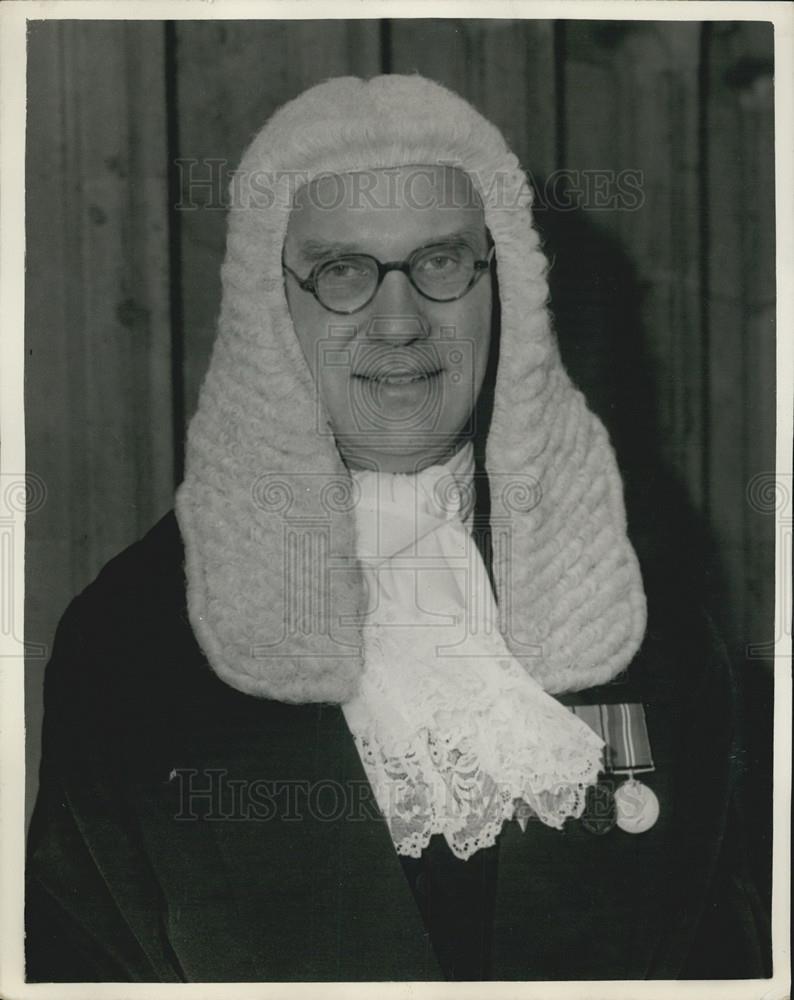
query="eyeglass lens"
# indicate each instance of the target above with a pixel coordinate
(441, 272)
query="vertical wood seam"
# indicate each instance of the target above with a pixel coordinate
(385, 46)
(174, 237)
(744, 386)
(560, 123)
(704, 217)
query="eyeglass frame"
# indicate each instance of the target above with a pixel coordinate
(309, 283)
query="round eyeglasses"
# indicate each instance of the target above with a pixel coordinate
(441, 272)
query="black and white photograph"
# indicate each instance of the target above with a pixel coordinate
(397, 541)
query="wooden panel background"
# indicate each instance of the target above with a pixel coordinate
(98, 345)
(664, 308)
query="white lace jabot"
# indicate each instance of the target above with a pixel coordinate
(453, 733)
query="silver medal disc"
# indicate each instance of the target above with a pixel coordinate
(637, 807)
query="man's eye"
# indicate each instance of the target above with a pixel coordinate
(440, 262)
(342, 269)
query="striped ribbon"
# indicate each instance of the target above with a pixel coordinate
(624, 731)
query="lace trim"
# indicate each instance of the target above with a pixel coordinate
(485, 744)
(455, 736)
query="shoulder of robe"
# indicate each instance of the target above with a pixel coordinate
(125, 657)
(127, 632)
(682, 663)
(145, 576)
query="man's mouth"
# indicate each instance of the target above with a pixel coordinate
(398, 377)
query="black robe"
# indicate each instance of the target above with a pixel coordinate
(187, 832)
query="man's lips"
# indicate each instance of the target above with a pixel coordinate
(398, 365)
(397, 376)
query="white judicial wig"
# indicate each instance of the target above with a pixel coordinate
(281, 621)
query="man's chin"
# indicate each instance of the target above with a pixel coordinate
(396, 452)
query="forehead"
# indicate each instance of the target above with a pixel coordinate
(385, 211)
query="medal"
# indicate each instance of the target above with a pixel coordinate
(600, 811)
(637, 806)
(627, 750)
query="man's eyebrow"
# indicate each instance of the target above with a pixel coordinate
(473, 235)
(312, 249)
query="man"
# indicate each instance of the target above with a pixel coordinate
(381, 702)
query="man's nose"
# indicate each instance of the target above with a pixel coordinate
(397, 316)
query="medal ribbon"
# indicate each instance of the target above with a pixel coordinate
(624, 730)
